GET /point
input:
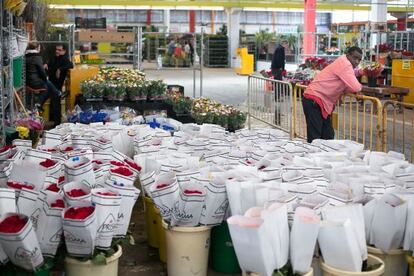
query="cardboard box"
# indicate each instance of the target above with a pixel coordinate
(105, 36)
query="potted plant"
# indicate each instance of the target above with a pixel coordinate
(182, 106)
(137, 92)
(92, 90)
(156, 89)
(116, 92)
(103, 262)
(236, 119)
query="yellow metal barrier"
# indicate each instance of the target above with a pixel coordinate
(398, 124)
(360, 120)
(270, 101)
(357, 118)
(299, 121)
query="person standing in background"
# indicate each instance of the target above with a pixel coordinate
(57, 69)
(278, 60)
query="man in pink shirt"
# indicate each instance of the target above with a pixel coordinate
(325, 90)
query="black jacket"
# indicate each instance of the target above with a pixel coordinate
(63, 64)
(35, 73)
(278, 59)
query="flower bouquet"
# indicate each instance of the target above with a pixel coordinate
(383, 48)
(372, 71)
(29, 126)
(59, 219)
(314, 63)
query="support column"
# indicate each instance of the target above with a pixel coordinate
(166, 21)
(378, 21)
(309, 28)
(148, 21)
(233, 33)
(192, 21)
(213, 21)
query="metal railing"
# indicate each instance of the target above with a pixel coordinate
(379, 126)
(359, 118)
(398, 128)
(270, 101)
(299, 121)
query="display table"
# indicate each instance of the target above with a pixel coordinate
(383, 92)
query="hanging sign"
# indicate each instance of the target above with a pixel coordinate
(405, 64)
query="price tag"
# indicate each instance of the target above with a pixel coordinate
(405, 64)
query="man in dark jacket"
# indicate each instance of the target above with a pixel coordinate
(58, 67)
(57, 70)
(36, 78)
(278, 60)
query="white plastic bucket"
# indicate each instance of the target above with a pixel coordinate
(310, 273)
(330, 271)
(394, 260)
(187, 250)
(74, 267)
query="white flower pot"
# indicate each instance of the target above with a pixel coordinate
(394, 260)
(74, 267)
(331, 271)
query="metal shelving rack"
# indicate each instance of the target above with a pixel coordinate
(2, 104)
(6, 64)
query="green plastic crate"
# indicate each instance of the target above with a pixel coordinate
(18, 72)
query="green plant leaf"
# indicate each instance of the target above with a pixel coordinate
(99, 259)
(109, 252)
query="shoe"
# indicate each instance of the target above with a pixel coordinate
(63, 94)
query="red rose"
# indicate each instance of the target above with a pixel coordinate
(249, 162)
(58, 204)
(61, 179)
(76, 193)
(53, 188)
(118, 164)
(122, 171)
(262, 167)
(12, 224)
(19, 186)
(79, 213)
(47, 163)
(106, 193)
(6, 148)
(68, 149)
(133, 165)
(160, 186)
(50, 150)
(97, 162)
(192, 192)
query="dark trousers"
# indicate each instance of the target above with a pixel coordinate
(316, 126)
(277, 74)
(54, 94)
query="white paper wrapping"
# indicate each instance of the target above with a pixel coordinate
(22, 248)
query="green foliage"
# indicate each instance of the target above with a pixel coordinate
(263, 36)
